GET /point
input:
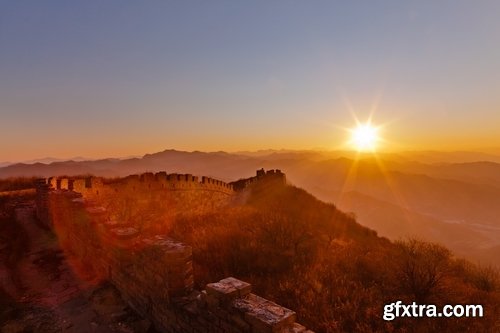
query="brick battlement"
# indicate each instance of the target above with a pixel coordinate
(261, 175)
(89, 186)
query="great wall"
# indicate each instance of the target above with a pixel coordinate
(154, 273)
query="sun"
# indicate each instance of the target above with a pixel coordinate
(364, 137)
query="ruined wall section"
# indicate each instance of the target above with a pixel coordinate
(275, 176)
(155, 275)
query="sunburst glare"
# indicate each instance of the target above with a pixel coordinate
(365, 137)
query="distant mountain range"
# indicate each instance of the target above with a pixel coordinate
(452, 198)
(46, 160)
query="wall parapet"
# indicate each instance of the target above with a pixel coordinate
(93, 186)
(273, 175)
(90, 185)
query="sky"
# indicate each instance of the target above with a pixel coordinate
(119, 78)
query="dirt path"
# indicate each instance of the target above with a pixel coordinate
(52, 298)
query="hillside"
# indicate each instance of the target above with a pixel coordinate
(337, 274)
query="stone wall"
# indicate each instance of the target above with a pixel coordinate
(95, 186)
(261, 175)
(184, 193)
(153, 274)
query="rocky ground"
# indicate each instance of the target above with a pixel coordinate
(43, 294)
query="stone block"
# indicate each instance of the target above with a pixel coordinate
(228, 289)
(244, 288)
(265, 316)
(222, 292)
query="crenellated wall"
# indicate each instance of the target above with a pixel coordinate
(154, 273)
(94, 186)
(261, 175)
(184, 193)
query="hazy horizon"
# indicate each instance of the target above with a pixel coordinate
(49, 159)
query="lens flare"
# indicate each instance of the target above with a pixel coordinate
(364, 137)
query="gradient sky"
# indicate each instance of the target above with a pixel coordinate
(117, 78)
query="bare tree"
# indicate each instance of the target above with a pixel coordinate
(421, 267)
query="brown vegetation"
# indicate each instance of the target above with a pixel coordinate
(336, 274)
